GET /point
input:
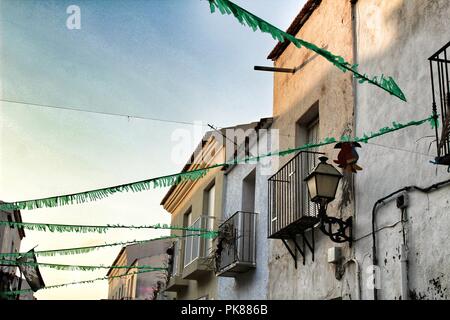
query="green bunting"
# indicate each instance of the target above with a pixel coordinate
(20, 292)
(51, 227)
(77, 267)
(196, 174)
(246, 18)
(87, 249)
(98, 194)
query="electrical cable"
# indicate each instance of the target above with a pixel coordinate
(374, 211)
(100, 112)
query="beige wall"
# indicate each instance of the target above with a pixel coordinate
(318, 81)
(190, 195)
(115, 284)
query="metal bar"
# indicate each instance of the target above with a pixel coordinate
(281, 180)
(434, 106)
(446, 140)
(302, 252)
(294, 256)
(307, 242)
(269, 209)
(440, 60)
(436, 55)
(298, 154)
(274, 69)
(313, 231)
(442, 98)
(289, 194)
(296, 186)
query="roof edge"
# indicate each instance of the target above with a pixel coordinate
(307, 10)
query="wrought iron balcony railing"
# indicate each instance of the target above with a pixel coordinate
(440, 84)
(236, 245)
(290, 210)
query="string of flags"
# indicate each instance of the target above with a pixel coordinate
(87, 249)
(174, 179)
(53, 227)
(71, 267)
(246, 18)
(27, 291)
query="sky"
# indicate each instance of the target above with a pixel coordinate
(166, 59)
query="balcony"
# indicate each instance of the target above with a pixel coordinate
(290, 210)
(176, 282)
(440, 83)
(236, 252)
(198, 256)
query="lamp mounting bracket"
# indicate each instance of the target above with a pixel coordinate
(301, 249)
(337, 229)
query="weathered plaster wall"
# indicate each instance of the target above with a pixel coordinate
(207, 286)
(397, 37)
(318, 81)
(254, 283)
(9, 239)
(190, 194)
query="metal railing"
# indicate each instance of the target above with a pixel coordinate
(440, 84)
(290, 209)
(197, 247)
(236, 248)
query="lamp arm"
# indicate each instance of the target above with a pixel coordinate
(327, 223)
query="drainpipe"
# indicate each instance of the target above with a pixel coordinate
(355, 107)
(355, 58)
(404, 272)
(357, 277)
(381, 201)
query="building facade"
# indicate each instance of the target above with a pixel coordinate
(128, 283)
(196, 204)
(200, 204)
(10, 239)
(413, 261)
(272, 243)
(311, 104)
(398, 202)
(243, 270)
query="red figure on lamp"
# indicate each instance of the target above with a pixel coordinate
(348, 157)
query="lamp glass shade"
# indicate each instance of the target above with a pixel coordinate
(326, 186)
(323, 181)
(312, 187)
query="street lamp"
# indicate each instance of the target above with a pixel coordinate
(322, 185)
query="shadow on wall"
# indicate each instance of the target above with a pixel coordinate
(395, 38)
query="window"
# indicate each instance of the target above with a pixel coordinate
(175, 259)
(248, 192)
(307, 131)
(10, 220)
(129, 288)
(210, 212)
(189, 245)
(192, 244)
(312, 136)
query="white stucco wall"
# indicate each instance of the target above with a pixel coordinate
(396, 38)
(254, 283)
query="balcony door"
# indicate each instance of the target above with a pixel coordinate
(248, 192)
(210, 213)
(307, 131)
(312, 136)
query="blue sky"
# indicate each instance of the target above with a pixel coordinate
(168, 59)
